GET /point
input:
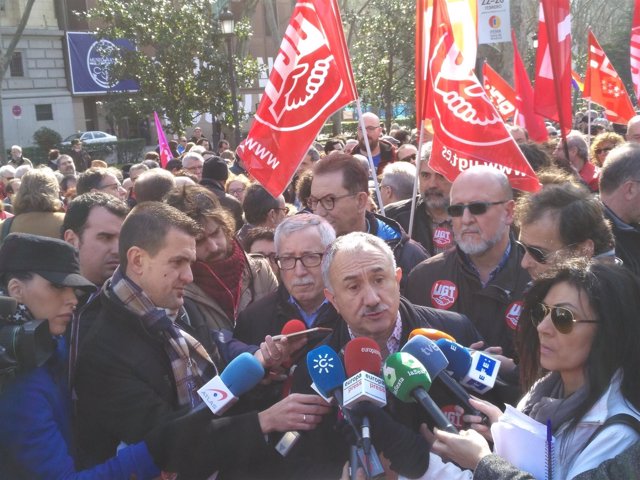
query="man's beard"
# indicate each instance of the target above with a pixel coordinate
(434, 199)
(478, 247)
(372, 145)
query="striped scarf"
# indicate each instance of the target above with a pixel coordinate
(190, 362)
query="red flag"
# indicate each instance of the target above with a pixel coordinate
(604, 87)
(526, 117)
(553, 63)
(635, 50)
(499, 91)
(310, 80)
(165, 151)
(468, 129)
(465, 13)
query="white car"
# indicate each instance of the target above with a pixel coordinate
(90, 138)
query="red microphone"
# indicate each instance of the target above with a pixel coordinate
(363, 362)
(293, 326)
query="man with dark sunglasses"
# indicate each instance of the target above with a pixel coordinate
(481, 277)
(561, 221)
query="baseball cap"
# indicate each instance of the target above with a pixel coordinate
(52, 259)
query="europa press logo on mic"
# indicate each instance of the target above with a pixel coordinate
(307, 81)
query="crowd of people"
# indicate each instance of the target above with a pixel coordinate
(152, 280)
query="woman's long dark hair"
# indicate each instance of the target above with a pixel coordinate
(613, 293)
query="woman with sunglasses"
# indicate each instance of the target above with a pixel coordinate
(578, 343)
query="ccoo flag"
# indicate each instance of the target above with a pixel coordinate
(468, 130)
(163, 145)
(553, 63)
(526, 117)
(310, 80)
(604, 87)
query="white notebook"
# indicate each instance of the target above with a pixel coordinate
(524, 442)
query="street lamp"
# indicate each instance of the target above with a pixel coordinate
(227, 25)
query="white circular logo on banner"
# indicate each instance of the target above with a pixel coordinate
(99, 58)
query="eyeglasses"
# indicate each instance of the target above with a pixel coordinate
(538, 254)
(327, 202)
(370, 128)
(308, 260)
(113, 186)
(562, 318)
(236, 191)
(408, 158)
(285, 210)
(194, 168)
(475, 208)
(603, 150)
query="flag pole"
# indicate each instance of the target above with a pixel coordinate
(372, 167)
(589, 122)
(417, 179)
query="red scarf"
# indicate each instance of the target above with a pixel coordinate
(222, 280)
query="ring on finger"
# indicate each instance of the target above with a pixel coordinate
(304, 418)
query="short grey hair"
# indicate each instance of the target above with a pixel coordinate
(313, 154)
(576, 139)
(192, 155)
(353, 242)
(621, 165)
(400, 176)
(295, 223)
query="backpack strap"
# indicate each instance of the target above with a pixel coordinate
(620, 418)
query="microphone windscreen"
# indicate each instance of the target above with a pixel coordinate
(458, 357)
(293, 326)
(8, 306)
(428, 354)
(362, 354)
(242, 374)
(431, 333)
(403, 373)
(325, 369)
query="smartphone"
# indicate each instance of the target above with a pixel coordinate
(309, 333)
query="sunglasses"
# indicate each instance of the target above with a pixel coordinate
(475, 208)
(562, 318)
(539, 255)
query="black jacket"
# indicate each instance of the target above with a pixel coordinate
(228, 202)
(627, 241)
(407, 252)
(321, 453)
(125, 388)
(422, 221)
(388, 154)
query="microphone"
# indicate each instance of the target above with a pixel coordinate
(476, 371)
(435, 362)
(241, 375)
(293, 326)
(408, 380)
(431, 334)
(327, 372)
(363, 361)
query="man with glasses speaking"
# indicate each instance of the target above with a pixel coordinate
(482, 277)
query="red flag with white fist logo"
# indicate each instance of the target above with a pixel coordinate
(468, 129)
(310, 80)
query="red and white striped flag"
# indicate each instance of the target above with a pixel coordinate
(310, 80)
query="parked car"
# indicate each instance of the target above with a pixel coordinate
(90, 138)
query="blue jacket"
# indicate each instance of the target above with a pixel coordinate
(35, 431)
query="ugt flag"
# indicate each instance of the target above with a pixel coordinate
(468, 129)
(310, 80)
(499, 91)
(603, 85)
